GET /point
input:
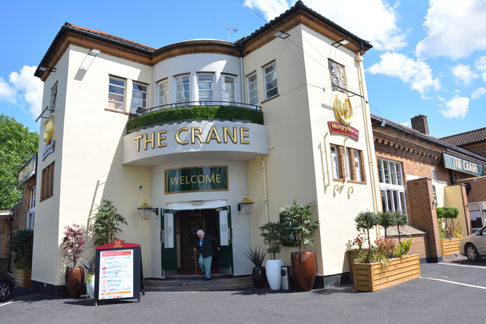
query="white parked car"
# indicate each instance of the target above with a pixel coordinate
(474, 245)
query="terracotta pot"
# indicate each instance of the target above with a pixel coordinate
(259, 277)
(74, 281)
(304, 270)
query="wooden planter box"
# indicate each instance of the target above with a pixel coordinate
(375, 276)
(22, 278)
(450, 245)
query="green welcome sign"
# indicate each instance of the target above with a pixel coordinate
(196, 179)
(458, 164)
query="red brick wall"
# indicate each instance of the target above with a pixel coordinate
(479, 148)
(419, 244)
(478, 189)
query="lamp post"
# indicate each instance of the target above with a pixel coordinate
(246, 205)
(145, 210)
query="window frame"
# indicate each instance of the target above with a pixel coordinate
(395, 188)
(265, 73)
(345, 164)
(110, 84)
(178, 77)
(333, 62)
(210, 90)
(47, 182)
(136, 90)
(166, 94)
(248, 88)
(224, 76)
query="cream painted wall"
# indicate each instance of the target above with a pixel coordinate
(453, 198)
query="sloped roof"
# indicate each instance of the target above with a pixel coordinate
(470, 137)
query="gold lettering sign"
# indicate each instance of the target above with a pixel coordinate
(343, 110)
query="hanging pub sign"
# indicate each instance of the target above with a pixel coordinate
(118, 272)
(458, 164)
(196, 179)
(344, 114)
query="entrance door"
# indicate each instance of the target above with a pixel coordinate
(225, 255)
(168, 238)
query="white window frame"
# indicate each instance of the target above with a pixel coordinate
(335, 162)
(224, 90)
(252, 86)
(122, 108)
(163, 92)
(267, 82)
(133, 109)
(394, 186)
(347, 158)
(357, 165)
(177, 83)
(210, 98)
(31, 213)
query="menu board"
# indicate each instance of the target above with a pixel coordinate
(116, 274)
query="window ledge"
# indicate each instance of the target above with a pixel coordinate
(357, 182)
(117, 111)
(266, 100)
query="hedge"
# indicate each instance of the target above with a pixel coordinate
(196, 112)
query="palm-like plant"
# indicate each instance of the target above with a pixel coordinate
(106, 222)
(256, 256)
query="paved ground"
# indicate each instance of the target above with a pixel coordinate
(446, 293)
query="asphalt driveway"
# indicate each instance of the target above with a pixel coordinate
(447, 293)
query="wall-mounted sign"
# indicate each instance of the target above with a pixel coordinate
(27, 171)
(338, 128)
(458, 164)
(196, 179)
(48, 138)
(343, 110)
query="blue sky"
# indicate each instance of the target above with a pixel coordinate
(428, 57)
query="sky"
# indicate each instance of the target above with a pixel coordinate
(427, 58)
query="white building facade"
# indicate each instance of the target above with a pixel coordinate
(194, 126)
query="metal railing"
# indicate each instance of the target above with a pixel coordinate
(185, 104)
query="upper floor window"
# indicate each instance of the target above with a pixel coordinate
(31, 213)
(139, 96)
(229, 88)
(338, 76)
(116, 93)
(182, 88)
(163, 92)
(336, 170)
(205, 84)
(47, 182)
(270, 75)
(392, 185)
(252, 87)
(347, 164)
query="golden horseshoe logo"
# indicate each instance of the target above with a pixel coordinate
(343, 110)
(49, 131)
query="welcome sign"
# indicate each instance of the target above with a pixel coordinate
(196, 179)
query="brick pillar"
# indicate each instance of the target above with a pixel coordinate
(424, 215)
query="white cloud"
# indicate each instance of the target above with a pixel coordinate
(29, 87)
(457, 107)
(416, 73)
(480, 65)
(478, 93)
(464, 73)
(382, 29)
(7, 92)
(407, 124)
(454, 28)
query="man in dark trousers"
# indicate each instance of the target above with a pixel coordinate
(205, 247)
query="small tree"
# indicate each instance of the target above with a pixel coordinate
(73, 244)
(22, 245)
(272, 236)
(366, 221)
(106, 222)
(400, 220)
(385, 220)
(302, 227)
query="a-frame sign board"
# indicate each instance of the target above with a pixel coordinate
(118, 272)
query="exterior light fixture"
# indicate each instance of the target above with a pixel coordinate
(94, 52)
(281, 34)
(246, 205)
(46, 68)
(145, 210)
(342, 42)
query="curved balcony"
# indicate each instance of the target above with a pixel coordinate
(195, 110)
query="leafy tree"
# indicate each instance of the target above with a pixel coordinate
(106, 222)
(366, 221)
(272, 235)
(297, 218)
(385, 220)
(400, 220)
(16, 142)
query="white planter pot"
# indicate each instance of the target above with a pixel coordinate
(90, 287)
(274, 277)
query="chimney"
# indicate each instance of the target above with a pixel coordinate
(419, 123)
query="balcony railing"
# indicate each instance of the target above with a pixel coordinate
(195, 110)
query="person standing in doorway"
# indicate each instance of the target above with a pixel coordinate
(205, 247)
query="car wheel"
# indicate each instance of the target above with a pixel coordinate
(472, 253)
(5, 290)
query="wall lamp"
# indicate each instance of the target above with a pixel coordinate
(94, 52)
(145, 210)
(46, 68)
(246, 205)
(342, 42)
(281, 34)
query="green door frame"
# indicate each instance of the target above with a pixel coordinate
(169, 254)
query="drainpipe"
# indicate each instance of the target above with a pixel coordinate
(265, 189)
(242, 78)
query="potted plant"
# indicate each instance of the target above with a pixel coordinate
(73, 246)
(271, 233)
(89, 267)
(106, 222)
(257, 256)
(449, 238)
(386, 219)
(298, 219)
(22, 245)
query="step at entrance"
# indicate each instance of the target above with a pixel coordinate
(197, 283)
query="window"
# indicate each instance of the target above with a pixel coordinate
(251, 82)
(357, 165)
(31, 213)
(229, 88)
(182, 88)
(205, 85)
(163, 92)
(349, 162)
(347, 166)
(53, 98)
(47, 182)
(335, 162)
(391, 185)
(270, 75)
(116, 93)
(139, 96)
(434, 175)
(338, 76)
